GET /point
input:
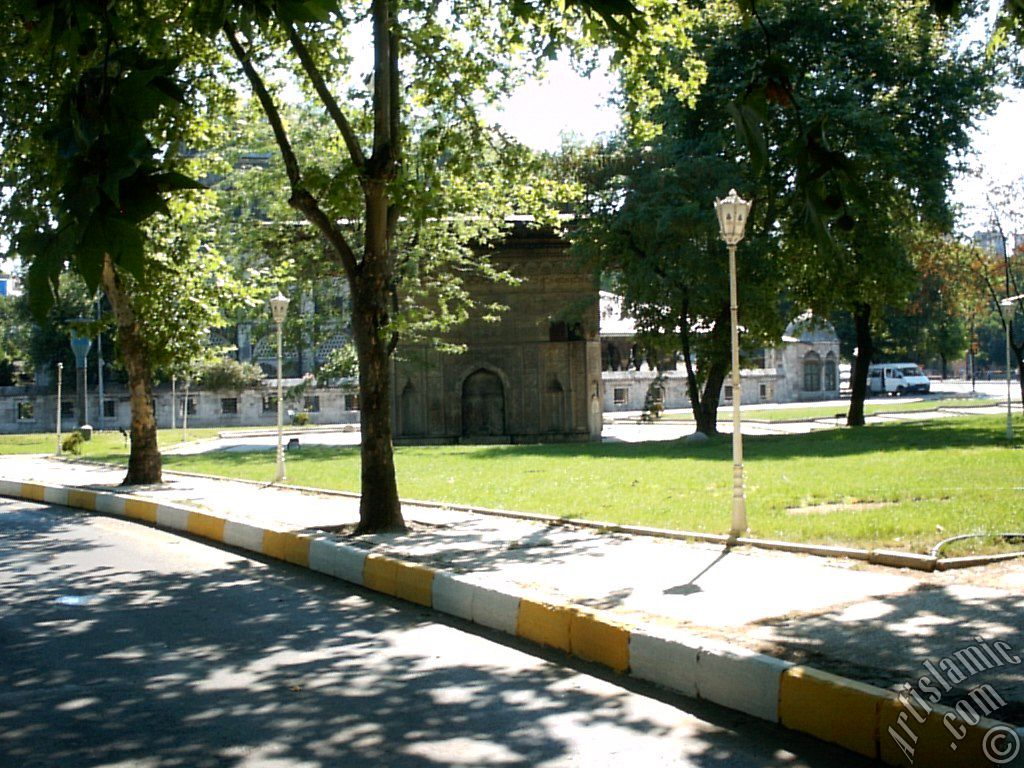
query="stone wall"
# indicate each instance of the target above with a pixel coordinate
(532, 376)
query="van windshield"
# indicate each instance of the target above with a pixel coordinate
(910, 370)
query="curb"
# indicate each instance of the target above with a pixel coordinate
(862, 718)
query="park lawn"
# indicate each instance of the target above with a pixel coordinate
(904, 486)
(103, 444)
(825, 412)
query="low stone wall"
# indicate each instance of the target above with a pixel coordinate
(28, 409)
(627, 390)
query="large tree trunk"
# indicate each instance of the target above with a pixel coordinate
(144, 463)
(704, 401)
(859, 375)
(379, 507)
(706, 413)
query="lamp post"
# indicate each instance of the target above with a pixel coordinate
(732, 214)
(60, 382)
(279, 309)
(1008, 308)
(81, 345)
(99, 369)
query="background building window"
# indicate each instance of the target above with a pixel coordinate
(67, 409)
(270, 403)
(312, 403)
(229, 405)
(727, 396)
(621, 395)
(352, 402)
(830, 375)
(109, 409)
(190, 406)
(812, 373)
(26, 410)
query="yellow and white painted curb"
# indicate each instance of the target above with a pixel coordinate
(859, 717)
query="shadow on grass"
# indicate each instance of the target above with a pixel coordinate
(118, 657)
(971, 432)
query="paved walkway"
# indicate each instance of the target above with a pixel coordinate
(874, 624)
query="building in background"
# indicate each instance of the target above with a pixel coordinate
(534, 375)
(804, 366)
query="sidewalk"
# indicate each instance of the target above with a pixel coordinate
(876, 625)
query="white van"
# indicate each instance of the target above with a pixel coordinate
(897, 379)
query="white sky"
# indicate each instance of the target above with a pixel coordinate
(540, 111)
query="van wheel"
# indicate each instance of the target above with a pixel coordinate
(900, 391)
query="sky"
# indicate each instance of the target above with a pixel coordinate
(564, 102)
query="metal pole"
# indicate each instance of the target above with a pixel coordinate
(99, 370)
(1009, 412)
(280, 413)
(82, 392)
(174, 400)
(739, 502)
(184, 412)
(60, 381)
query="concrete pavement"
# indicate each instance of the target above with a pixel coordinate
(749, 615)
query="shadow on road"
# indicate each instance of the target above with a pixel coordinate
(213, 665)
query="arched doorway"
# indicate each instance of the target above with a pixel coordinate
(483, 405)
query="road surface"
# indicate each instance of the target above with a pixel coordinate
(121, 645)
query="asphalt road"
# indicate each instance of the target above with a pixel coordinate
(121, 645)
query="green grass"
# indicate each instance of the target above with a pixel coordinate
(905, 486)
(103, 444)
(824, 412)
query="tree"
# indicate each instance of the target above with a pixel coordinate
(419, 179)
(649, 224)
(1000, 273)
(867, 135)
(90, 135)
(935, 321)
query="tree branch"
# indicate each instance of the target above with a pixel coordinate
(383, 159)
(301, 200)
(355, 151)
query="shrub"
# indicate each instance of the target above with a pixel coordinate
(73, 443)
(300, 419)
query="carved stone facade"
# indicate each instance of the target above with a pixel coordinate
(532, 376)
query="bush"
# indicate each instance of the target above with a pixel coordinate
(229, 375)
(73, 443)
(300, 419)
(341, 363)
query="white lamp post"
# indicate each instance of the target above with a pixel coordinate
(1008, 308)
(732, 220)
(60, 415)
(279, 309)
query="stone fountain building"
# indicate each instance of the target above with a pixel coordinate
(532, 376)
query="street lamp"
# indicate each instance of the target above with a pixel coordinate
(81, 345)
(732, 220)
(1008, 308)
(60, 415)
(279, 309)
